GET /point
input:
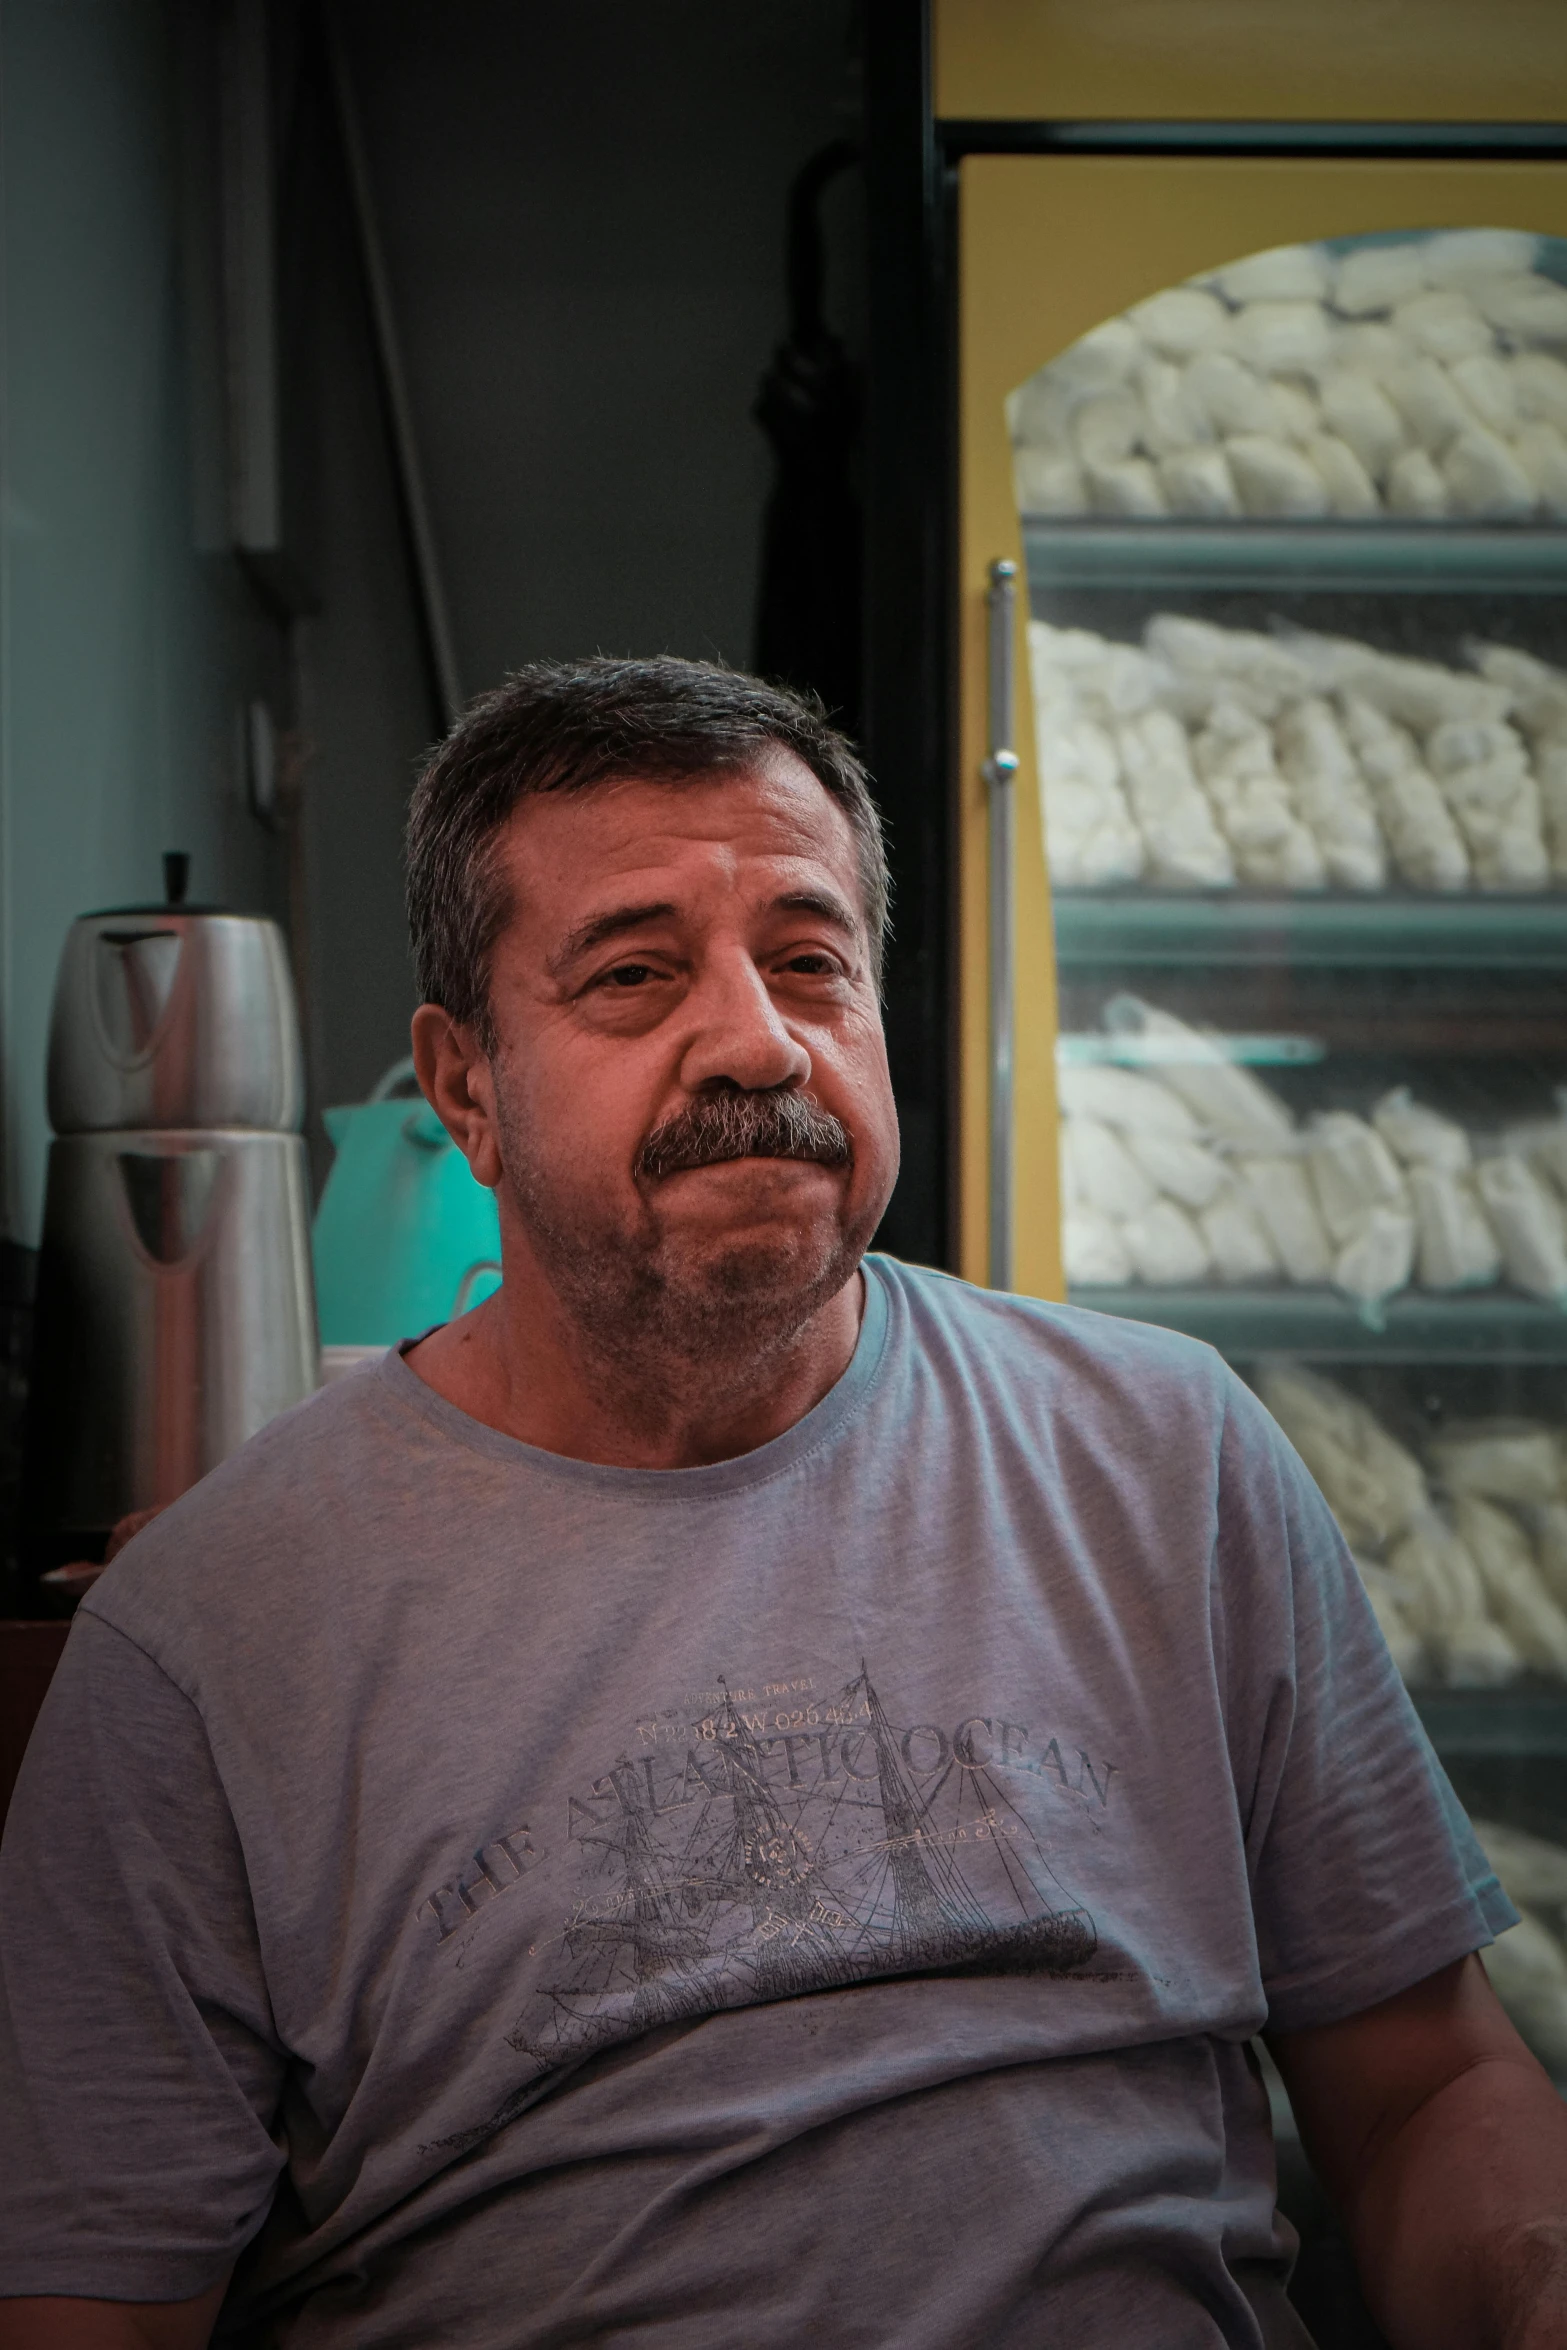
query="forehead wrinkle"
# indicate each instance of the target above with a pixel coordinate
(788, 799)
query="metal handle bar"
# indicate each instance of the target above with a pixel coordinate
(999, 770)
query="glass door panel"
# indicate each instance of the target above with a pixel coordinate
(1290, 1015)
(1053, 248)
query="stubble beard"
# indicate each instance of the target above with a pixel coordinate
(652, 1305)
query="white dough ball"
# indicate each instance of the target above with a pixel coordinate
(1371, 348)
(1455, 1244)
(1238, 1241)
(1105, 356)
(1199, 482)
(1528, 309)
(1188, 1172)
(1526, 1225)
(1124, 1099)
(1181, 321)
(1418, 1137)
(1430, 403)
(1415, 489)
(1107, 427)
(1372, 278)
(1097, 1170)
(1363, 416)
(1230, 395)
(1274, 479)
(1283, 338)
(1093, 1253)
(1540, 386)
(1378, 1261)
(1236, 664)
(1485, 478)
(1536, 691)
(1167, 1249)
(1351, 490)
(1286, 273)
(1456, 257)
(1298, 412)
(1048, 481)
(1443, 325)
(1129, 487)
(1457, 743)
(1039, 411)
(1487, 384)
(1542, 453)
(1280, 1191)
(1170, 420)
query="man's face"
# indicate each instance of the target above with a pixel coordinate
(684, 963)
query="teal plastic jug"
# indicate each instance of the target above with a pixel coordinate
(404, 1237)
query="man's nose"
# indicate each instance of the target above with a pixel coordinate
(737, 1034)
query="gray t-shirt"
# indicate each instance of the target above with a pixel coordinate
(823, 1897)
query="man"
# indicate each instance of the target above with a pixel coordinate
(739, 1791)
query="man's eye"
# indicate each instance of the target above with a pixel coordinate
(813, 966)
(629, 975)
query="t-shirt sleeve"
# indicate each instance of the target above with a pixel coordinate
(1365, 1874)
(139, 2067)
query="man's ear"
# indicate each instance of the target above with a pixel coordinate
(455, 1078)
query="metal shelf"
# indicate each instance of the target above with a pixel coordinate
(1530, 1719)
(1391, 930)
(1094, 1049)
(1318, 1325)
(1440, 558)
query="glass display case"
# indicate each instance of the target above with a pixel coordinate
(1264, 871)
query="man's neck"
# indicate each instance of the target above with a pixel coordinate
(519, 1365)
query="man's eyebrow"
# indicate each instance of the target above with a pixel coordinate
(825, 902)
(600, 927)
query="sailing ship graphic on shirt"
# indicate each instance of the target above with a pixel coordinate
(749, 1876)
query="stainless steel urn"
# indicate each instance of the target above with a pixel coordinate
(174, 1018)
(176, 1313)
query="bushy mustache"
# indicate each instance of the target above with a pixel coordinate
(744, 1126)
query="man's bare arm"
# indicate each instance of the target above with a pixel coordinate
(56, 2323)
(1444, 2145)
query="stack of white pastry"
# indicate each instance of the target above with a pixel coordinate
(1417, 378)
(1186, 1169)
(1465, 1555)
(1206, 757)
(1464, 1560)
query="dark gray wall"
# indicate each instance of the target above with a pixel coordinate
(583, 210)
(364, 704)
(583, 215)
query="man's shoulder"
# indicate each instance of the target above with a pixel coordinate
(1084, 1411)
(1013, 1334)
(257, 1518)
(1122, 1391)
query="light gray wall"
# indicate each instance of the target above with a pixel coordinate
(127, 649)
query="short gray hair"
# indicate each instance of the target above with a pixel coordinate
(566, 726)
